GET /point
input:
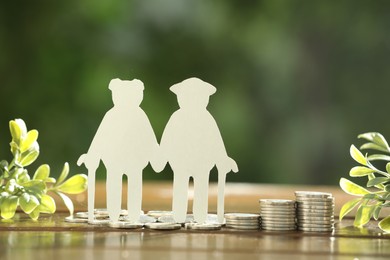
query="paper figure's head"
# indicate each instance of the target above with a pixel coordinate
(193, 92)
(127, 92)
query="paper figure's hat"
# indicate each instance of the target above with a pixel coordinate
(118, 84)
(193, 86)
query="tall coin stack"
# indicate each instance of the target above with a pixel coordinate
(315, 211)
(277, 215)
(246, 221)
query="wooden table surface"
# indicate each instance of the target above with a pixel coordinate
(52, 238)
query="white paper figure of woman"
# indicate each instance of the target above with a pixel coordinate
(192, 144)
(125, 142)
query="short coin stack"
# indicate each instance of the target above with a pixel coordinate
(245, 221)
(277, 215)
(315, 211)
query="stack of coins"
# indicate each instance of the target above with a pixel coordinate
(244, 221)
(277, 215)
(315, 211)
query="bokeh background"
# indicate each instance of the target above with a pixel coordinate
(297, 80)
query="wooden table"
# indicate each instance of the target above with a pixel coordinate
(52, 238)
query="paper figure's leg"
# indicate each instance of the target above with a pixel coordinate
(114, 194)
(180, 197)
(201, 188)
(134, 195)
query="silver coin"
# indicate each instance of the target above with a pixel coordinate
(264, 224)
(159, 213)
(276, 202)
(243, 227)
(72, 219)
(196, 226)
(81, 215)
(309, 221)
(278, 216)
(316, 229)
(147, 219)
(241, 216)
(313, 194)
(242, 224)
(269, 222)
(312, 225)
(170, 219)
(279, 228)
(125, 225)
(276, 206)
(99, 222)
(324, 207)
(163, 226)
(280, 213)
(308, 218)
(315, 200)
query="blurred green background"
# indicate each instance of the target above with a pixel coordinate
(297, 80)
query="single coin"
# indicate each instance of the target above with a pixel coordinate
(305, 218)
(72, 219)
(163, 226)
(312, 225)
(276, 202)
(242, 224)
(316, 229)
(271, 225)
(99, 222)
(312, 194)
(233, 221)
(278, 216)
(125, 225)
(147, 219)
(278, 228)
(196, 226)
(315, 200)
(159, 213)
(170, 219)
(81, 214)
(315, 222)
(315, 207)
(243, 227)
(275, 222)
(242, 216)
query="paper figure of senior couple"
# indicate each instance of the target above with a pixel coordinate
(191, 143)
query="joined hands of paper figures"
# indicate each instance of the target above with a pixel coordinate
(191, 143)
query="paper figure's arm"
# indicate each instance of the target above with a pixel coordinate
(92, 158)
(223, 162)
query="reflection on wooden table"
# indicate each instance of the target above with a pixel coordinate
(52, 238)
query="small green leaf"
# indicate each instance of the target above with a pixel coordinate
(47, 205)
(388, 167)
(16, 132)
(347, 207)
(377, 180)
(8, 207)
(29, 140)
(29, 158)
(363, 215)
(377, 211)
(357, 155)
(352, 188)
(359, 171)
(22, 126)
(35, 214)
(376, 138)
(42, 172)
(372, 176)
(387, 188)
(14, 148)
(35, 186)
(67, 201)
(372, 196)
(74, 185)
(28, 202)
(372, 146)
(64, 173)
(384, 224)
(50, 180)
(376, 157)
(23, 177)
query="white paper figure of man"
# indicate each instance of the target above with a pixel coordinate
(126, 143)
(192, 144)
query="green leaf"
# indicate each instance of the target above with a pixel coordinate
(377, 211)
(372, 146)
(377, 180)
(372, 176)
(50, 180)
(376, 157)
(67, 201)
(352, 188)
(376, 138)
(16, 132)
(74, 185)
(29, 158)
(8, 207)
(347, 207)
(42, 172)
(372, 196)
(35, 186)
(35, 214)
(14, 148)
(22, 126)
(384, 224)
(388, 167)
(28, 202)
(64, 173)
(47, 205)
(23, 177)
(29, 140)
(387, 188)
(359, 171)
(363, 215)
(357, 155)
